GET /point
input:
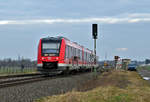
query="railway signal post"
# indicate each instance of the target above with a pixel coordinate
(116, 60)
(95, 33)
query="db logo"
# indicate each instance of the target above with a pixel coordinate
(49, 58)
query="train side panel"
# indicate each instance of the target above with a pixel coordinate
(71, 57)
(61, 62)
(39, 57)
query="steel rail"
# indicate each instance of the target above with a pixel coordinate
(21, 81)
(24, 80)
(19, 75)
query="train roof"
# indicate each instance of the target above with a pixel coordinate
(59, 38)
(51, 38)
(55, 38)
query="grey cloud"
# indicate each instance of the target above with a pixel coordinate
(130, 18)
(26, 9)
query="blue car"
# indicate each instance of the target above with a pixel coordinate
(132, 67)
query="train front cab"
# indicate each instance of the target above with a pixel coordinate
(50, 55)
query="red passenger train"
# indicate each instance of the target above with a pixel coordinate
(58, 54)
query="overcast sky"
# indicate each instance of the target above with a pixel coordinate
(124, 26)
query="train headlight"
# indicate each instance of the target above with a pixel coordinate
(45, 54)
(56, 58)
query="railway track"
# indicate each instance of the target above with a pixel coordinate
(19, 75)
(7, 82)
(13, 80)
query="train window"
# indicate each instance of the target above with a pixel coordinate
(87, 57)
(84, 56)
(74, 51)
(90, 57)
(50, 48)
(67, 52)
(70, 52)
(77, 52)
(81, 54)
(51, 45)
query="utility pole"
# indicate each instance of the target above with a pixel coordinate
(95, 33)
(105, 61)
(95, 50)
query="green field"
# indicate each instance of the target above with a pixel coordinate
(114, 86)
(143, 68)
(16, 70)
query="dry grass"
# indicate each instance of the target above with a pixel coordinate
(115, 86)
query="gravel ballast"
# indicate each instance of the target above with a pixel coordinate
(30, 92)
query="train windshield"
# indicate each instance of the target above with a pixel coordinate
(50, 48)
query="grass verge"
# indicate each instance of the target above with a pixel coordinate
(114, 86)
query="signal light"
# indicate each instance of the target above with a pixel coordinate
(116, 57)
(94, 31)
